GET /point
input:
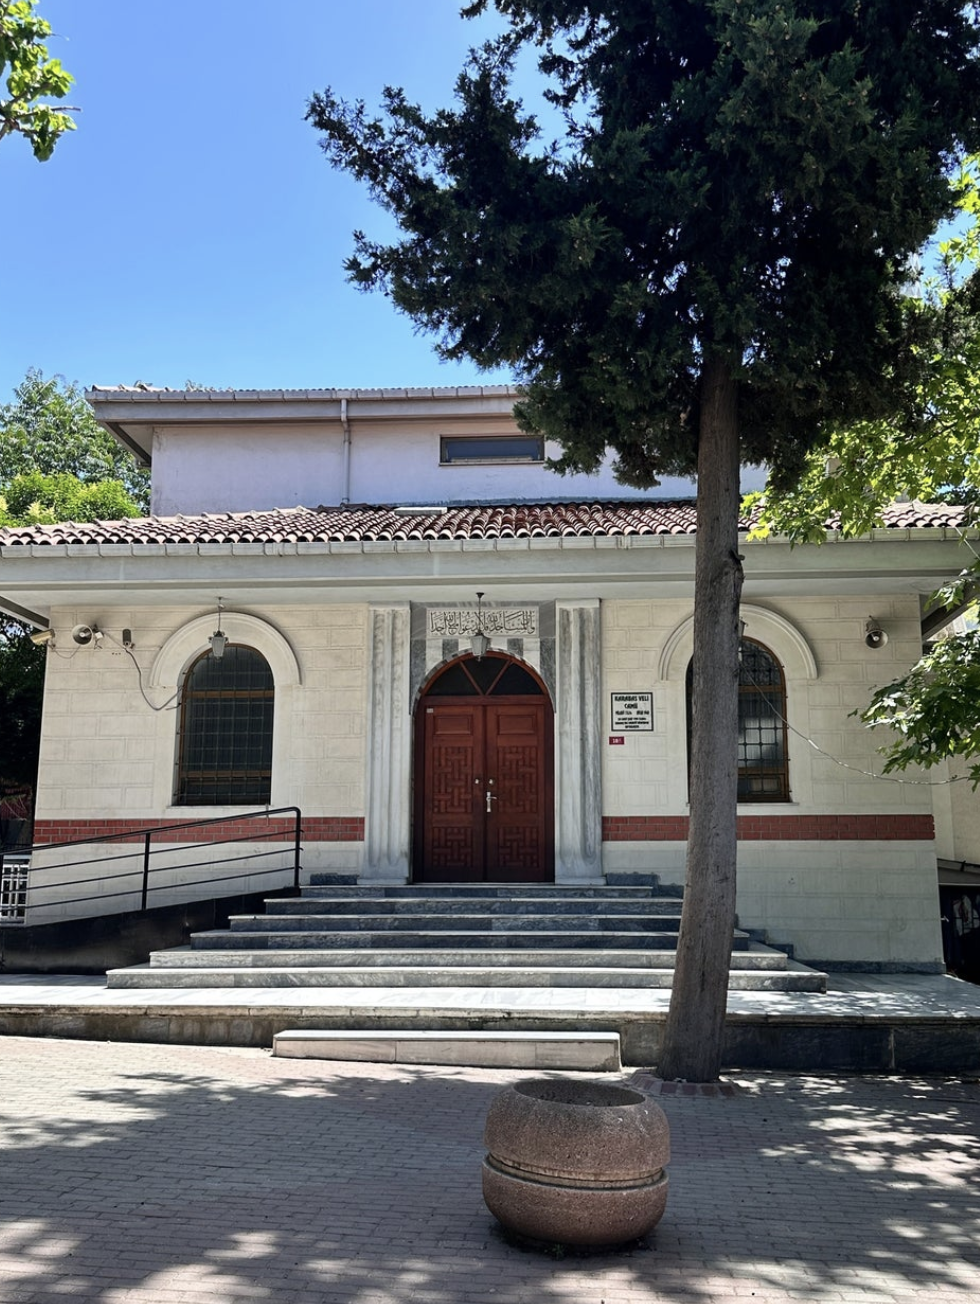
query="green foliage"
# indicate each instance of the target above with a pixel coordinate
(31, 78)
(56, 464)
(21, 689)
(707, 267)
(933, 709)
(50, 428)
(37, 499)
(867, 465)
(746, 179)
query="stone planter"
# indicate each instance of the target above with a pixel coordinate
(576, 1163)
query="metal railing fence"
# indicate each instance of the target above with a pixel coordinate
(25, 884)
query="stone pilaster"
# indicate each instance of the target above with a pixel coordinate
(577, 746)
(389, 740)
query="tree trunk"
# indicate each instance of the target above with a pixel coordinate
(696, 1019)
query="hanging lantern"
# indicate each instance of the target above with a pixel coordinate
(480, 642)
(219, 639)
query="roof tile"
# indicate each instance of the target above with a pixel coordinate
(362, 523)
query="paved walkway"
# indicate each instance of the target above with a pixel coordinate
(141, 1174)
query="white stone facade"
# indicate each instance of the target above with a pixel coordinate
(844, 870)
(343, 744)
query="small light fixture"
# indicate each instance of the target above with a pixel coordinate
(219, 639)
(480, 642)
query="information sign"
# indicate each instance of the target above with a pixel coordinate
(632, 712)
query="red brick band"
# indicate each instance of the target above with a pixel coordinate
(316, 828)
(777, 828)
(615, 828)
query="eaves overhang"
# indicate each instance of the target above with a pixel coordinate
(40, 577)
(131, 414)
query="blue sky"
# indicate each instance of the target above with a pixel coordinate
(191, 228)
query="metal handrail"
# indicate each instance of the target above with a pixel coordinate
(146, 836)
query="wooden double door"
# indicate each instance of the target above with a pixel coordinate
(484, 776)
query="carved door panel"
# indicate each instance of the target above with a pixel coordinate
(484, 777)
(519, 822)
(453, 801)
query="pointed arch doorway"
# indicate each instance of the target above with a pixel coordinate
(484, 802)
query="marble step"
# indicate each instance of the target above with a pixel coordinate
(794, 978)
(393, 891)
(450, 906)
(582, 1051)
(757, 957)
(466, 923)
(257, 938)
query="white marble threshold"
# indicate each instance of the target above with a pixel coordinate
(849, 996)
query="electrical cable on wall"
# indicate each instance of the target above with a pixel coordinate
(165, 706)
(857, 769)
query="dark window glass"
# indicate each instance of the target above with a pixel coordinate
(454, 682)
(493, 675)
(491, 448)
(763, 773)
(486, 672)
(516, 682)
(225, 742)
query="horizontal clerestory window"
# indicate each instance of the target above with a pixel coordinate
(456, 450)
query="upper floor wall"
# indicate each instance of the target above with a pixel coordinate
(233, 451)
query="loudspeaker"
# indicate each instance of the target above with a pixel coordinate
(84, 634)
(874, 636)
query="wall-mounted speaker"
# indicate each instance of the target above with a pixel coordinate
(83, 635)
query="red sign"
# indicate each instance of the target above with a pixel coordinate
(616, 740)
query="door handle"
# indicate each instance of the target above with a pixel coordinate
(490, 798)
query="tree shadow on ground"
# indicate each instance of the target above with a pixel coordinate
(159, 1173)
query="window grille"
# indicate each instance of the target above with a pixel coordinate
(225, 739)
(763, 770)
(13, 891)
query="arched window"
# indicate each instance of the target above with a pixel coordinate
(763, 771)
(224, 744)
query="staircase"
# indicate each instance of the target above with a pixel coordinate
(341, 935)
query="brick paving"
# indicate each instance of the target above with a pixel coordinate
(150, 1174)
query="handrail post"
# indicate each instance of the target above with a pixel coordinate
(296, 850)
(146, 866)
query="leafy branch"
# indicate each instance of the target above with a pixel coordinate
(33, 77)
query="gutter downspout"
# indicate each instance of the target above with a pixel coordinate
(345, 423)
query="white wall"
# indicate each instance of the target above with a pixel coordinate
(957, 813)
(106, 753)
(218, 468)
(876, 901)
(223, 468)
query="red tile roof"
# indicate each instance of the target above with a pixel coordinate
(379, 524)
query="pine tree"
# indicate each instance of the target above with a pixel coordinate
(705, 269)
